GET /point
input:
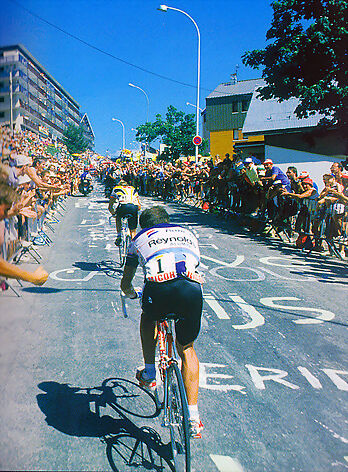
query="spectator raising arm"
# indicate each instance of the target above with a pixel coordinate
(38, 277)
(31, 172)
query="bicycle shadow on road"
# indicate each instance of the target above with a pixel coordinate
(70, 410)
(109, 267)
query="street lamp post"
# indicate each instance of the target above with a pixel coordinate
(165, 8)
(123, 134)
(192, 105)
(147, 109)
(147, 99)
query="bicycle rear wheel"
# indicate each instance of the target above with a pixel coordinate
(123, 249)
(178, 420)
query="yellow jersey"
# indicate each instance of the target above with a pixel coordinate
(125, 194)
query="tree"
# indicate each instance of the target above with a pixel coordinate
(176, 131)
(307, 57)
(74, 140)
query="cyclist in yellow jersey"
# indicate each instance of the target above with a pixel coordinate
(126, 200)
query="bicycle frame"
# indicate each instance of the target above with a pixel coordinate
(126, 238)
(165, 346)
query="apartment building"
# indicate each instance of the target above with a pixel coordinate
(224, 116)
(33, 99)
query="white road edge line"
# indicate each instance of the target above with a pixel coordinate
(226, 463)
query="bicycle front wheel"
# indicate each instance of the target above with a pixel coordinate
(178, 420)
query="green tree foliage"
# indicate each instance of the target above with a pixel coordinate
(176, 131)
(307, 57)
(74, 140)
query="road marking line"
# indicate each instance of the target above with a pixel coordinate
(335, 435)
(270, 272)
(237, 262)
(226, 463)
(256, 318)
(323, 315)
(209, 245)
(310, 377)
(216, 307)
(113, 307)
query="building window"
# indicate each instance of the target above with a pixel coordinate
(234, 107)
(1, 84)
(2, 99)
(235, 134)
(2, 114)
(245, 105)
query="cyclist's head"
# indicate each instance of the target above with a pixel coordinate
(122, 182)
(153, 216)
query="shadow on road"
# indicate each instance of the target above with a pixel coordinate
(75, 411)
(109, 267)
(325, 268)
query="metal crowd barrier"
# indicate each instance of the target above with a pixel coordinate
(23, 235)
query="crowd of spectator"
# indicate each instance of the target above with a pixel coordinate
(35, 172)
(287, 202)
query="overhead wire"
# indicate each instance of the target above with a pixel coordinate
(102, 51)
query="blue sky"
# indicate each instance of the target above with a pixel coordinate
(135, 31)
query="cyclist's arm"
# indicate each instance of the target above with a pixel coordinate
(126, 281)
(111, 205)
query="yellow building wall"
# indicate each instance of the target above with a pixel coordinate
(222, 142)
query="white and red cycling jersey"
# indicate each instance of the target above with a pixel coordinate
(165, 252)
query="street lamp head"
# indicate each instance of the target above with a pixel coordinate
(131, 85)
(114, 119)
(162, 8)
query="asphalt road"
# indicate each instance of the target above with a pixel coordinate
(273, 353)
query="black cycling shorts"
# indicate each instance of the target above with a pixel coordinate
(131, 211)
(181, 297)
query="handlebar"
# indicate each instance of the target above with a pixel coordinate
(139, 293)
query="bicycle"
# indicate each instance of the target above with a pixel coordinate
(125, 239)
(171, 395)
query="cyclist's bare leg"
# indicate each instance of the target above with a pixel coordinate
(148, 334)
(133, 232)
(118, 224)
(189, 371)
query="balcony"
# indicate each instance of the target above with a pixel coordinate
(8, 59)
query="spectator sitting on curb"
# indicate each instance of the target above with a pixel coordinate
(39, 276)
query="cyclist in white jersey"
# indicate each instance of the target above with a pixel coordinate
(127, 204)
(169, 256)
